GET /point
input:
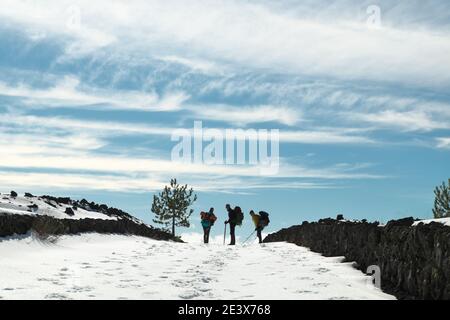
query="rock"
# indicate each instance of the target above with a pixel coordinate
(406, 222)
(28, 195)
(69, 212)
(11, 224)
(340, 217)
(13, 194)
(33, 207)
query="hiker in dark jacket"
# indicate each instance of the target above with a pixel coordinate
(232, 221)
(260, 221)
(208, 219)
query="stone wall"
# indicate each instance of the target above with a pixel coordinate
(414, 260)
(11, 224)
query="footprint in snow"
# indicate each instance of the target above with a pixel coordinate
(321, 284)
(306, 292)
(150, 293)
(250, 284)
(76, 289)
(322, 270)
(56, 296)
(339, 298)
(189, 295)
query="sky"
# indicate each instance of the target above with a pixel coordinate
(91, 93)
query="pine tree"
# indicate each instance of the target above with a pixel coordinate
(442, 201)
(171, 206)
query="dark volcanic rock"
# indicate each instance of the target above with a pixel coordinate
(13, 194)
(11, 224)
(414, 260)
(69, 212)
(33, 207)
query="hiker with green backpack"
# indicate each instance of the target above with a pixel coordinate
(235, 217)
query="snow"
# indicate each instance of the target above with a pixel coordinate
(94, 266)
(19, 205)
(445, 221)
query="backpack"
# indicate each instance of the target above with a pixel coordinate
(264, 218)
(212, 218)
(239, 216)
(207, 218)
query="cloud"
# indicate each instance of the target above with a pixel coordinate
(443, 143)
(69, 153)
(22, 158)
(406, 121)
(334, 136)
(78, 181)
(316, 71)
(194, 64)
(294, 39)
(239, 116)
(111, 129)
(67, 94)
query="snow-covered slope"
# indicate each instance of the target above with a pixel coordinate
(92, 266)
(445, 221)
(48, 206)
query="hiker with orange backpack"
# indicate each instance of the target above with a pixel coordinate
(208, 220)
(260, 221)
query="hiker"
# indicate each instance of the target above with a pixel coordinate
(208, 219)
(235, 218)
(261, 221)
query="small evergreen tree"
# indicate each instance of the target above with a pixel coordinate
(171, 206)
(442, 201)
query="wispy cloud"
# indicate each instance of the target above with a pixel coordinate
(321, 75)
(250, 34)
(443, 143)
(67, 93)
(406, 121)
(102, 129)
(247, 115)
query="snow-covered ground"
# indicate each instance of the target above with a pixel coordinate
(445, 221)
(93, 266)
(21, 205)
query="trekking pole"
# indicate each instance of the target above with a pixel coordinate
(249, 237)
(224, 234)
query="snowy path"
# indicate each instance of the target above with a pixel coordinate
(117, 267)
